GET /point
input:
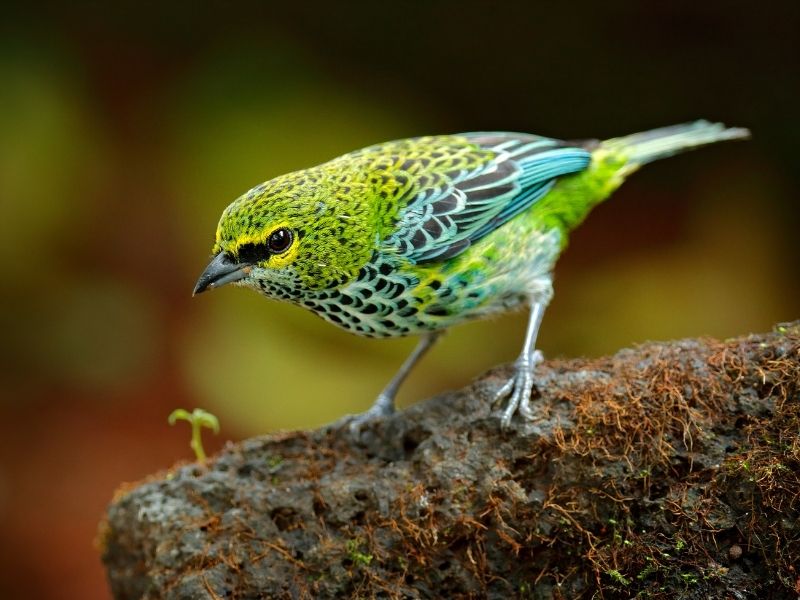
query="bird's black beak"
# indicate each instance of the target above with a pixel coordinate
(220, 271)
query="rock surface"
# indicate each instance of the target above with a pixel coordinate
(671, 470)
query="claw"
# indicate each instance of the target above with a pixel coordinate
(383, 407)
(519, 386)
(504, 391)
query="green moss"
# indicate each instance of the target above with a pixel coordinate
(354, 553)
(618, 577)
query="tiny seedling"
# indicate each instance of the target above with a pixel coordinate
(198, 418)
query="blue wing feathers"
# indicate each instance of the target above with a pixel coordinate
(453, 211)
(553, 163)
(522, 202)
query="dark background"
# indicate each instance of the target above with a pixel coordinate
(124, 133)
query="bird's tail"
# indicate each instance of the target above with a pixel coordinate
(647, 146)
(615, 159)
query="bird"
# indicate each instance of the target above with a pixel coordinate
(413, 236)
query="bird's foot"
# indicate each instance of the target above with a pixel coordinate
(382, 408)
(377, 411)
(518, 387)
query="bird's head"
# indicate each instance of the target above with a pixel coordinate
(288, 236)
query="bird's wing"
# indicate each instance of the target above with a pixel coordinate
(464, 187)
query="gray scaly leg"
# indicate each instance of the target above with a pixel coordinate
(520, 384)
(384, 404)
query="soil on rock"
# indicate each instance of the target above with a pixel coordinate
(666, 471)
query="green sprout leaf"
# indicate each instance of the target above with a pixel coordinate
(198, 419)
(618, 577)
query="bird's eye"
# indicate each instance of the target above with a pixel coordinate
(279, 240)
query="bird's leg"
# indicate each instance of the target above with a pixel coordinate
(520, 384)
(384, 403)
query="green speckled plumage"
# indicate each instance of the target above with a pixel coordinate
(414, 236)
(411, 236)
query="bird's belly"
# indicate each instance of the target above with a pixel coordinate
(392, 299)
(412, 313)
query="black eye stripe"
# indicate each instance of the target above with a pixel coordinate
(253, 253)
(278, 242)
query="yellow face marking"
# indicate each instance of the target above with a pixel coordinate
(275, 261)
(278, 261)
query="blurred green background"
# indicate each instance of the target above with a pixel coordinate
(124, 133)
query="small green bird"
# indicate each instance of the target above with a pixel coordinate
(414, 236)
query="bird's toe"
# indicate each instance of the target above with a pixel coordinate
(518, 390)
